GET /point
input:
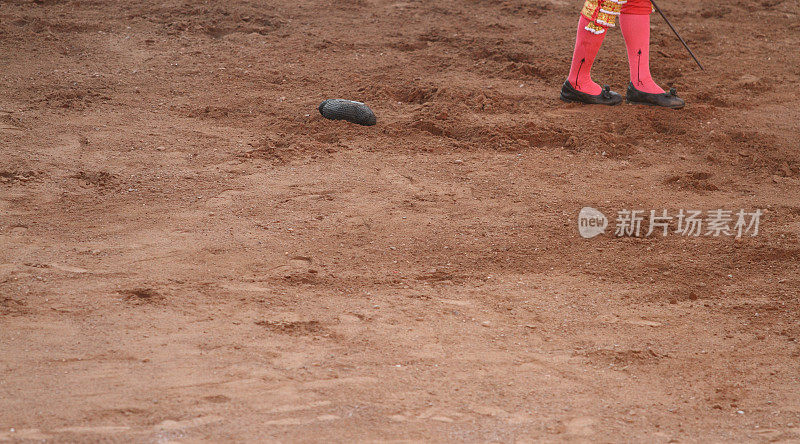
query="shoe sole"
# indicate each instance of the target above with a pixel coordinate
(568, 100)
(631, 102)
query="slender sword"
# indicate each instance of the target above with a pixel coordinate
(676, 33)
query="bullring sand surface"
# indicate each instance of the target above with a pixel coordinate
(190, 252)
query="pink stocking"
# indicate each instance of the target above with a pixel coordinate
(636, 31)
(587, 44)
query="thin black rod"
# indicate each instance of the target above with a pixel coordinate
(678, 35)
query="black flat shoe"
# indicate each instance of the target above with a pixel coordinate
(667, 100)
(606, 97)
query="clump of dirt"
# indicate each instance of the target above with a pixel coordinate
(76, 98)
(293, 327)
(213, 20)
(18, 176)
(103, 180)
(624, 357)
(278, 149)
(522, 70)
(692, 181)
(11, 306)
(142, 295)
(416, 94)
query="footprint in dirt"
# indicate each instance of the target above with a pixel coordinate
(300, 262)
(8, 123)
(297, 270)
(141, 295)
(395, 178)
(581, 426)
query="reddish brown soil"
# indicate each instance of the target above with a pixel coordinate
(190, 252)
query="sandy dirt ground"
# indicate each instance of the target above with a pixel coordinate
(189, 251)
